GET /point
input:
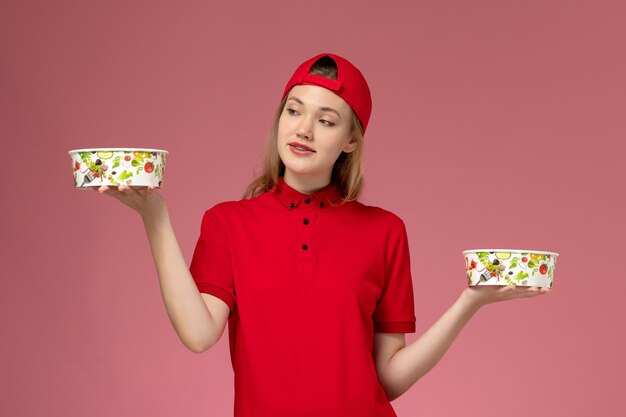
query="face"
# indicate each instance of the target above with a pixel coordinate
(320, 120)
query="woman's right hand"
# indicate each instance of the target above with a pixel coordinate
(144, 199)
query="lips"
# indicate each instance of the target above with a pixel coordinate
(294, 144)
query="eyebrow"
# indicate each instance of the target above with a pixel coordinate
(322, 108)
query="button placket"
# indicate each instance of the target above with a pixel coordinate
(307, 214)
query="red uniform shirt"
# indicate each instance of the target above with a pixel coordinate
(308, 284)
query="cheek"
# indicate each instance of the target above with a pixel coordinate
(341, 140)
(283, 126)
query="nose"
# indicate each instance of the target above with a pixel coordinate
(304, 129)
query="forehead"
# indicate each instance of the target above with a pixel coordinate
(313, 95)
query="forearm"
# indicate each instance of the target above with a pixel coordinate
(416, 359)
(184, 304)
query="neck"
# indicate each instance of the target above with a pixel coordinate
(306, 184)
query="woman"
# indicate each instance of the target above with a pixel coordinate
(315, 286)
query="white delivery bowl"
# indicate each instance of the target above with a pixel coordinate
(518, 267)
(94, 167)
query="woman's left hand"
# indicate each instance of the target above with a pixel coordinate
(480, 295)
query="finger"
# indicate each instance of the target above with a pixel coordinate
(519, 293)
(109, 189)
(534, 291)
(118, 190)
(505, 291)
(147, 189)
(126, 189)
(528, 292)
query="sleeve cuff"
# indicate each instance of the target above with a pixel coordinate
(394, 327)
(218, 292)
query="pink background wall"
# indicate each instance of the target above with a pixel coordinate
(495, 124)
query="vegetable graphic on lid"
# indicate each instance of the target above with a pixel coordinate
(105, 155)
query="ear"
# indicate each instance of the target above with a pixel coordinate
(351, 146)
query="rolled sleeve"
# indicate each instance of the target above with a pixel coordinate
(395, 310)
(211, 264)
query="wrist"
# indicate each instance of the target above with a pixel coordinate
(470, 300)
(155, 216)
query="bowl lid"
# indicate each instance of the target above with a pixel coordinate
(117, 149)
(510, 250)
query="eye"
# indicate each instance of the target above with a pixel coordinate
(326, 122)
(290, 111)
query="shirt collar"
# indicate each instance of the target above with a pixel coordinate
(292, 198)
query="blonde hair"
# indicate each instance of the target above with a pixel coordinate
(347, 173)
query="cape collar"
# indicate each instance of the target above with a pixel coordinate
(292, 198)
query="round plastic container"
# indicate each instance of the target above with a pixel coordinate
(94, 167)
(518, 267)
